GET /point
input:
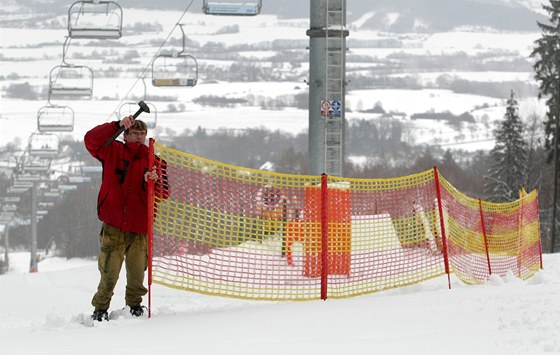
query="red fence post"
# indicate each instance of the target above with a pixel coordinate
(540, 240)
(150, 217)
(324, 236)
(483, 225)
(442, 225)
(520, 231)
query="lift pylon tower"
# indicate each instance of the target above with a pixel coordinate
(327, 86)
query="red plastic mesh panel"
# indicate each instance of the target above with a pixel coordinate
(245, 233)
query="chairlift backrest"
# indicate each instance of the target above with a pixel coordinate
(95, 20)
(231, 8)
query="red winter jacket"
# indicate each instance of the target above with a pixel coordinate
(123, 198)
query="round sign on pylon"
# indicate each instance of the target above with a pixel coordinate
(325, 107)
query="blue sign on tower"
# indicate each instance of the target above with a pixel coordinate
(336, 107)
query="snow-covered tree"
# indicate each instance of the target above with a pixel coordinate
(509, 156)
(547, 73)
(547, 69)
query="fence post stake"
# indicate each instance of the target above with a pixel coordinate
(540, 236)
(485, 236)
(324, 236)
(520, 230)
(150, 217)
(442, 225)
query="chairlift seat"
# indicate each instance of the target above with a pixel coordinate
(67, 187)
(36, 167)
(51, 194)
(28, 177)
(16, 190)
(79, 179)
(8, 199)
(95, 33)
(174, 82)
(231, 8)
(91, 169)
(95, 19)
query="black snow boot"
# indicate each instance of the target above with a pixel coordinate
(100, 315)
(138, 311)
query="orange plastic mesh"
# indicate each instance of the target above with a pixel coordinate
(238, 232)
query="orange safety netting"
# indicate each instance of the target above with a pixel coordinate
(238, 232)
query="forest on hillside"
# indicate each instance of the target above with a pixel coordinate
(72, 224)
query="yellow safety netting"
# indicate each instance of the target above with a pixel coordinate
(238, 232)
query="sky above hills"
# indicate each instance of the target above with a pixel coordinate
(398, 16)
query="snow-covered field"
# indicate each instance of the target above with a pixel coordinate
(18, 118)
(41, 314)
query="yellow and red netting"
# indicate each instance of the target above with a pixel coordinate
(252, 234)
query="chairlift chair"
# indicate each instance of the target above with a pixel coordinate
(25, 184)
(43, 144)
(92, 169)
(28, 177)
(177, 69)
(248, 8)
(130, 107)
(95, 19)
(53, 118)
(52, 194)
(10, 199)
(31, 164)
(70, 81)
(9, 208)
(174, 70)
(67, 187)
(79, 179)
(42, 204)
(16, 190)
(6, 215)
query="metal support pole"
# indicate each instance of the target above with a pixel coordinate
(557, 132)
(317, 64)
(33, 262)
(7, 243)
(318, 35)
(554, 202)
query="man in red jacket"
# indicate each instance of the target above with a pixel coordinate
(122, 206)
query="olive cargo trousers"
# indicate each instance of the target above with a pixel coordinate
(118, 246)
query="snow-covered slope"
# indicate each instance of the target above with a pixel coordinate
(41, 314)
